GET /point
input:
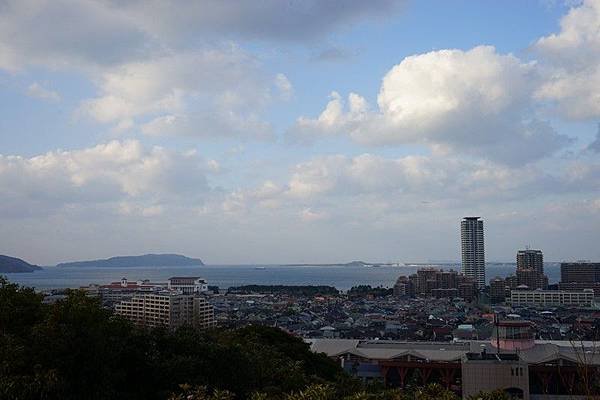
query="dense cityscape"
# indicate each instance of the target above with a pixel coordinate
(299, 200)
(433, 316)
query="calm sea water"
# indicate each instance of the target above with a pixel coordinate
(224, 276)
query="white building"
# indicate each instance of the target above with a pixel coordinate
(544, 298)
(473, 252)
(169, 309)
(188, 284)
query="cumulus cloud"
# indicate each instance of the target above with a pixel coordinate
(214, 92)
(475, 101)
(119, 171)
(283, 84)
(38, 91)
(572, 63)
(432, 178)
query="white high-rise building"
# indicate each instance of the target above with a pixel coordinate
(473, 254)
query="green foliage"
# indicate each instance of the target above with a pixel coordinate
(495, 395)
(201, 393)
(367, 290)
(328, 391)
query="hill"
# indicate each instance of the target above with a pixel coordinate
(146, 260)
(13, 264)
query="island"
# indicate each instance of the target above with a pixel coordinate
(146, 260)
(348, 264)
(16, 265)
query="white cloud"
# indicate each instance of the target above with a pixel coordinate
(38, 91)
(284, 86)
(118, 171)
(476, 102)
(310, 215)
(200, 93)
(572, 63)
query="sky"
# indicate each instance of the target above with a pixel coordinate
(300, 130)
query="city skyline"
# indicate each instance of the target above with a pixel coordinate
(312, 131)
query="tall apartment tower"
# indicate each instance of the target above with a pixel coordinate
(473, 254)
(530, 259)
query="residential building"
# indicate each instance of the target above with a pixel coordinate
(169, 309)
(530, 260)
(531, 278)
(581, 271)
(542, 298)
(188, 284)
(497, 290)
(125, 289)
(404, 287)
(595, 286)
(473, 253)
(433, 282)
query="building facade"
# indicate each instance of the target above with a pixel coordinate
(542, 370)
(433, 282)
(473, 252)
(530, 260)
(167, 309)
(495, 371)
(187, 284)
(543, 298)
(498, 290)
(582, 271)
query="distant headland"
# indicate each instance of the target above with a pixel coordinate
(13, 264)
(146, 260)
(348, 264)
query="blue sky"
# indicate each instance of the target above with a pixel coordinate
(312, 131)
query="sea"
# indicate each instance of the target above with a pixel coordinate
(343, 277)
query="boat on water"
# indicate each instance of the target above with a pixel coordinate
(260, 268)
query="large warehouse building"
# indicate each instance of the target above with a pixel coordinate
(524, 368)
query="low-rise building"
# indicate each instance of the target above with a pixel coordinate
(547, 370)
(488, 372)
(543, 298)
(188, 284)
(118, 291)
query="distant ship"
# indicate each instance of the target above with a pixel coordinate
(260, 268)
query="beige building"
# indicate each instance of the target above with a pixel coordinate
(169, 309)
(488, 372)
(543, 298)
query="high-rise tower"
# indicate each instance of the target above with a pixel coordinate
(473, 254)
